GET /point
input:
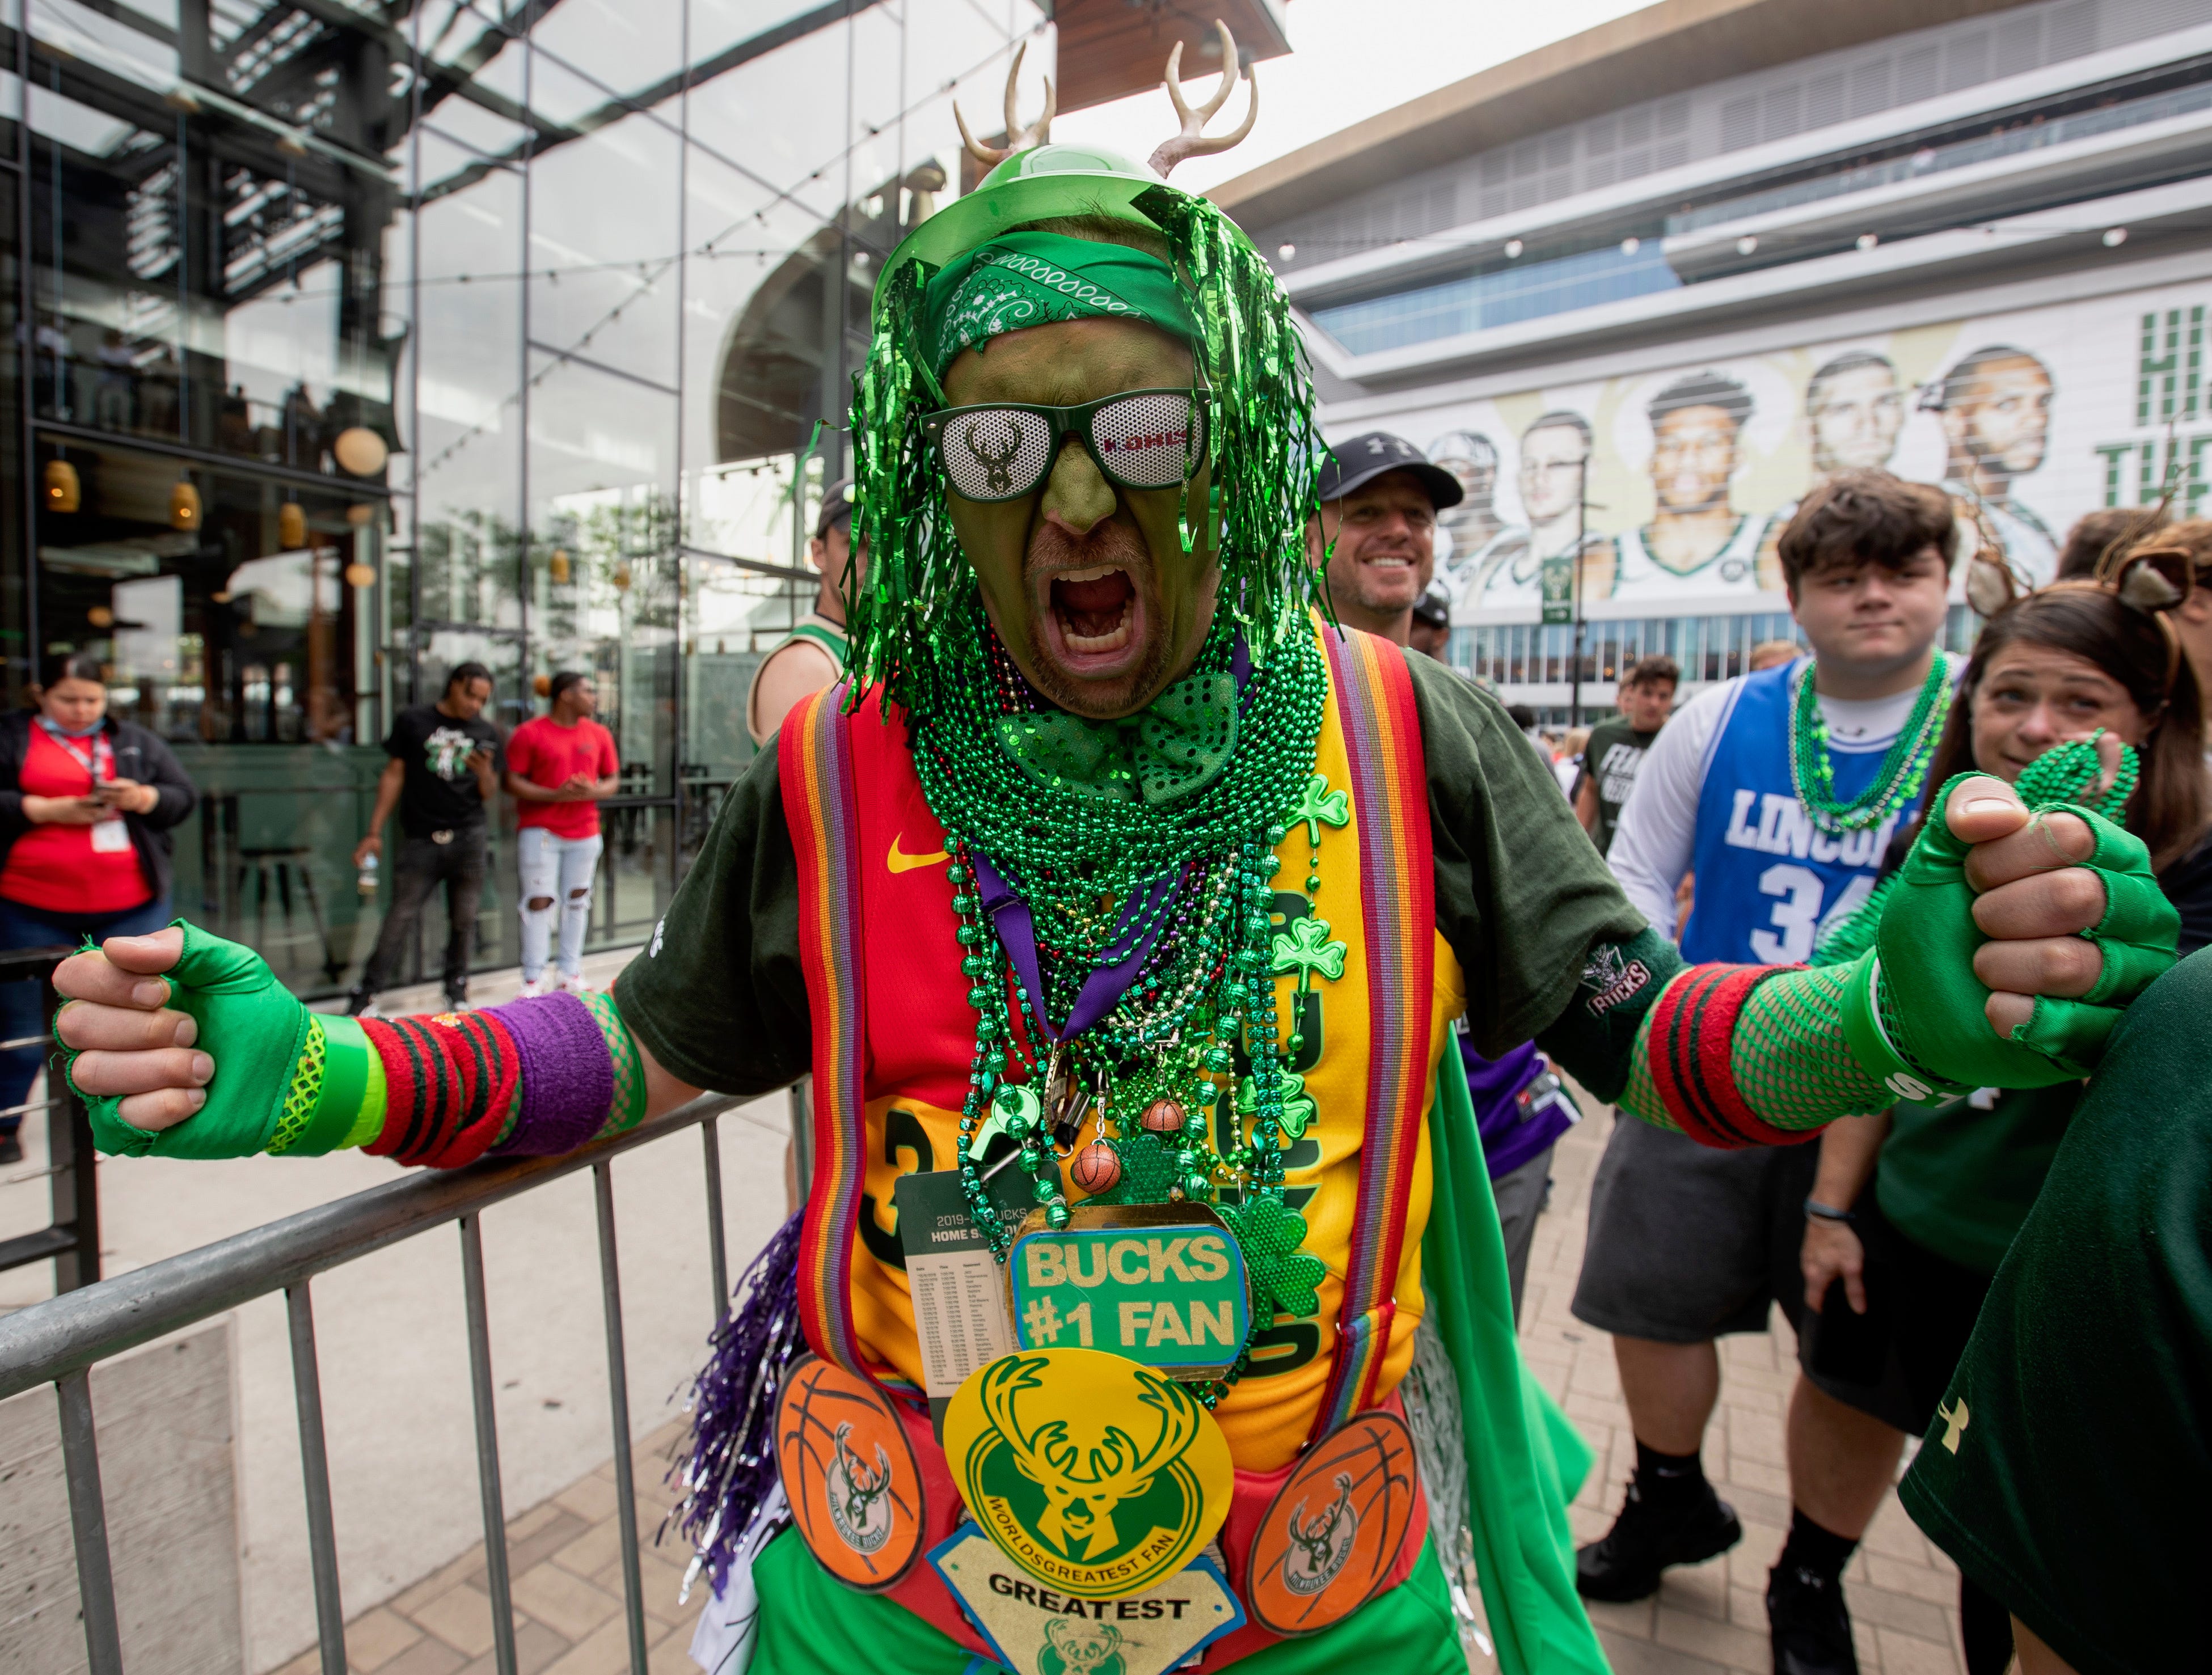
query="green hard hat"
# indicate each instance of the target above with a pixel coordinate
(1042, 184)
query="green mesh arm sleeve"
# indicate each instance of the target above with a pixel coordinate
(629, 1108)
(1789, 1056)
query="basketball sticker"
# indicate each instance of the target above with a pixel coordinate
(1331, 1535)
(850, 1475)
(1096, 1477)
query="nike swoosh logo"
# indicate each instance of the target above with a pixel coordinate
(899, 861)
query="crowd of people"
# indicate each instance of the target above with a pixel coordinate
(1023, 879)
(1781, 804)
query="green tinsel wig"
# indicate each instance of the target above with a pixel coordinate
(1264, 451)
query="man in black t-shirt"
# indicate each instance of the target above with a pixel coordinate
(442, 777)
(1617, 745)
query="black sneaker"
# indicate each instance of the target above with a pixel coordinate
(360, 1002)
(11, 1147)
(1810, 1628)
(1644, 1540)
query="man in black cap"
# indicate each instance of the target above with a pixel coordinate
(813, 655)
(1430, 631)
(1380, 497)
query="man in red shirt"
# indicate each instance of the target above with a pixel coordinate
(558, 767)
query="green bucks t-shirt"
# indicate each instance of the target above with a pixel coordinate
(1610, 762)
(720, 998)
(2071, 1461)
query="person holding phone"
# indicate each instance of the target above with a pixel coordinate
(86, 803)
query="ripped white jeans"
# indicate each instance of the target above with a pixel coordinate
(557, 872)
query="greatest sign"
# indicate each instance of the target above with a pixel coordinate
(1162, 1284)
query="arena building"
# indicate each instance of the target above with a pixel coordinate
(1642, 288)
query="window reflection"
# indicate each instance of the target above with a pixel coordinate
(495, 334)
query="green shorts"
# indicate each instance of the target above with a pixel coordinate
(813, 1624)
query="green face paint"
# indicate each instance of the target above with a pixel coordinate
(1237, 529)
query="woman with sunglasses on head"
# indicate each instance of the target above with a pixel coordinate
(1914, 1208)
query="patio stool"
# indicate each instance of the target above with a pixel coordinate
(281, 864)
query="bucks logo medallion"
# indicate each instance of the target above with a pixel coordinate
(1094, 1475)
(850, 1475)
(1331, 1537)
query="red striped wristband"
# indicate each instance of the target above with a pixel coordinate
(1693, 1029)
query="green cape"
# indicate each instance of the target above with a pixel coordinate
(1525, 1460)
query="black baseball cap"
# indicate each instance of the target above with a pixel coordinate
(1433, 608)
(836, 507)
(1355, 464)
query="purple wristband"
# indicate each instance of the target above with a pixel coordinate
(568, 1080)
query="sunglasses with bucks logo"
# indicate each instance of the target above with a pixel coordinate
(1139, 439)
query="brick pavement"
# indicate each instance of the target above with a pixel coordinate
(1708, 1620)
(1902, 1592)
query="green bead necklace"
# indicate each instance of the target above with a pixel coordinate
(1904, 769)
(1155, 1067)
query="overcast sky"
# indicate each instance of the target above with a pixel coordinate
(1349, 60)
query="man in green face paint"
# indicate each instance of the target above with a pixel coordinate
(1119, 873)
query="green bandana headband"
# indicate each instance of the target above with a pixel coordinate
(1032, 278)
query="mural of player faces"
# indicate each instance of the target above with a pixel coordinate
(1996, 409)
(1855, 408)
(1693, 434)
(1473, 459)
(1555, 452)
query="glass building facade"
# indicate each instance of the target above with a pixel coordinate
(350, 340)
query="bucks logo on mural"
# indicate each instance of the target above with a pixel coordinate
(1096, 1475)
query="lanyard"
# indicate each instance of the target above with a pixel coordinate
(99, 761)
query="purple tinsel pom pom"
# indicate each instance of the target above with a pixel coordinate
(732, 1467)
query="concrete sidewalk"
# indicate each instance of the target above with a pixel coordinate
(1903, 1592)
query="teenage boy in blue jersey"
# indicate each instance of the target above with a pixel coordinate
(1781, 789)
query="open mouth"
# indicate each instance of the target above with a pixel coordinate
(1097, 610)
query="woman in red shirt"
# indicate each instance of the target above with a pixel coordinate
(86, 805)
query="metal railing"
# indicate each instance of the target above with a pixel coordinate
(57, 1342)
(71, 1240)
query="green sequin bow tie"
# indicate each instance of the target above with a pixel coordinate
(1163, 752)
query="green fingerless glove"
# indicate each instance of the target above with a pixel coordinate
(251, 1025)
(1920, 989)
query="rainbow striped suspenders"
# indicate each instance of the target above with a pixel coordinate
(1374, 693)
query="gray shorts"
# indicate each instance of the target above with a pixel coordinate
(1520, 1194)
(1687, 1243)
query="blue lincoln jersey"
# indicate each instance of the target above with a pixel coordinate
(1769, 880)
